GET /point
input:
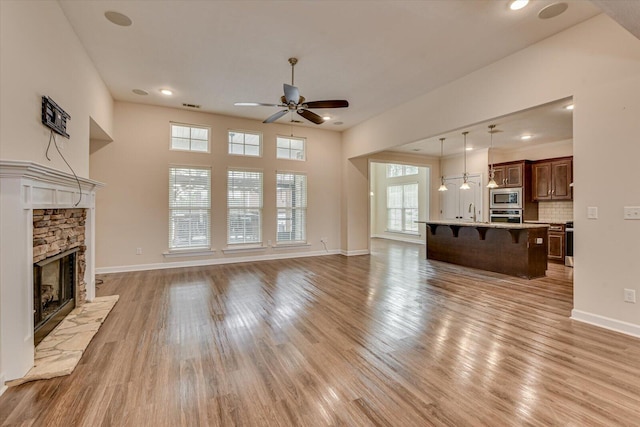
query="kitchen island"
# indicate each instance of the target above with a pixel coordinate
(513, 249)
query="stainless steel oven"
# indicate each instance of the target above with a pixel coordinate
(568, 244)
(511, 216)
(505, 198)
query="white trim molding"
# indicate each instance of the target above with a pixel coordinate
(205, 262)
(606, 322)
(355, 253)
(402, 238)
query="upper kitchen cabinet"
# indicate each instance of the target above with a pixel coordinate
(509, 174)
(552, 179)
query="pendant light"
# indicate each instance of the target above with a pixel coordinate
(442, 186)
(465, 176)
(492, 182)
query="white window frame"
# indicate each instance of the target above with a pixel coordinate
(190, 126)
(199, 208)
(297, 138)
(285, 205)
(407, 227)
(405, 170)
(247, 206)
(243, 144)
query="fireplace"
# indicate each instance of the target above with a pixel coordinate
(44, 214)
(54, 285)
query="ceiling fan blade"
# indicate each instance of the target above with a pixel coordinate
(334, 103)
(311, 116)
(291, 94)
(254, 104)
(276, 116)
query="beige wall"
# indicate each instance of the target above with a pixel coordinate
(598, 63)
(132, 210)
(33, 64)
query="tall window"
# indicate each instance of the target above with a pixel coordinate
(189, 207)
(400, 170)
(189, 138)
(245, 143)
(290, 148)
(291, 201)
(244, 202)
(402, 208)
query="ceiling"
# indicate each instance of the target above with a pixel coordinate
(545, 124)
(376, 54)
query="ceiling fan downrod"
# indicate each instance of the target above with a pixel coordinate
(293, 62)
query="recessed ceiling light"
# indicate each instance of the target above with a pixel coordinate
(525, 137)
(166, 92)
(246, 104)
(469, 148)
(552, 10)
(140, 92)
(518, 4)
(325, 118)
(118, 18)
(569, 107)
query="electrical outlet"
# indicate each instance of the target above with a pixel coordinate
(632, 212)
(269, 243)
(138, 251)
(630, 295)
(592, 212)
(323, 240)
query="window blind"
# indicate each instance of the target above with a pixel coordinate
(291, 204)
(402, 207)
(189, 207)
(244, 203)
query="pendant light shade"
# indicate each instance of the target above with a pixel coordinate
(442, 186)
(492, 182)
(465, 176)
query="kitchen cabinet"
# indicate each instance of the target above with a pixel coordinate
(556, 242)
(552, 179)
(509, 174)
(457, 204)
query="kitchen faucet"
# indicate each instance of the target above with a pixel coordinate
(471, 205)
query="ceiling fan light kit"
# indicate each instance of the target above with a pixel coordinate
(292, 101)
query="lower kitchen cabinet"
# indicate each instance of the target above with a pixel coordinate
(556, 242)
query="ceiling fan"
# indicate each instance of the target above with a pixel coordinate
(292, 101)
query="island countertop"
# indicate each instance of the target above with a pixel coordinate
(503, 225)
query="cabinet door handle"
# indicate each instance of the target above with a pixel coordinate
(553, 191)
(548, 191)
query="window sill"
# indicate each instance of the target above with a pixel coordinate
(188, 253)
(408, 233)
(292, 245)
(231, 249)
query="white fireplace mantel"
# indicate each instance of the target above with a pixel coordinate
(25, 186)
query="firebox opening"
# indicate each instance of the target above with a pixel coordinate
(54, 285)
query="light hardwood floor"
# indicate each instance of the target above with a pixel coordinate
(389, 339)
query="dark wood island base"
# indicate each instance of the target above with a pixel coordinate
(514, 249)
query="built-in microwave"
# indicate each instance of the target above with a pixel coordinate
(505, 198)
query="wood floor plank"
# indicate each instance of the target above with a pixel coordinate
(389, 339)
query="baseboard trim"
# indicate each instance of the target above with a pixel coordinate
(419, 241)
(355, 253)
(214, 261)
(606, 323)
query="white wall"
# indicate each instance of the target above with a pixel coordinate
(598, 63)
(132, 210)
(41, 55)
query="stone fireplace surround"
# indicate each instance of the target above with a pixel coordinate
(26, 187)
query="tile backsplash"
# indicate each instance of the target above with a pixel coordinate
(555, 212)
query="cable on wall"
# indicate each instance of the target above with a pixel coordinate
(55, 143)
